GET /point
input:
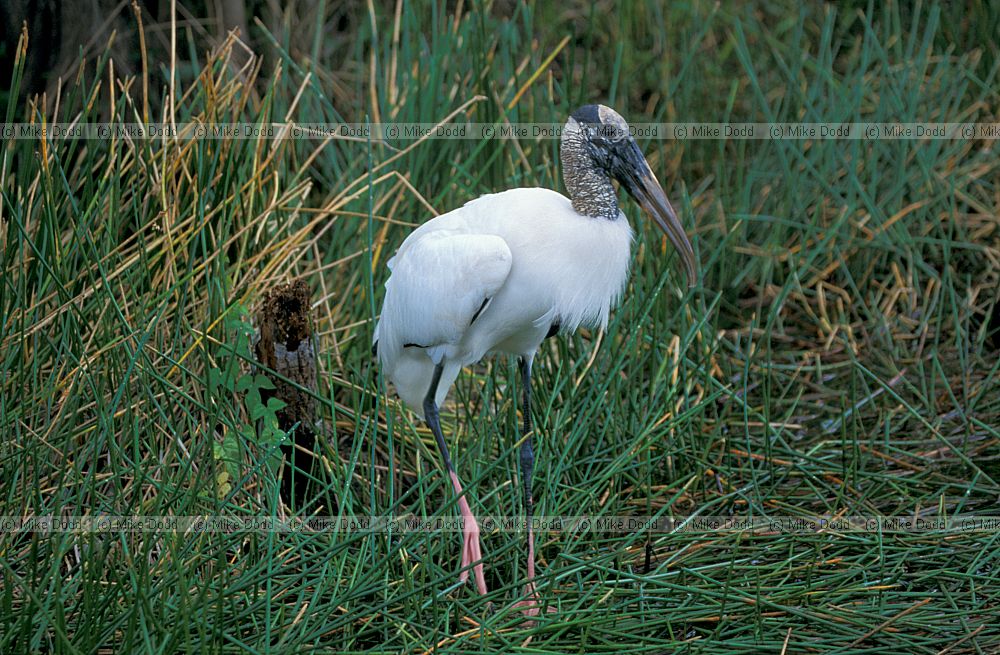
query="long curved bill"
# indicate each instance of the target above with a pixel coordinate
(640, 182)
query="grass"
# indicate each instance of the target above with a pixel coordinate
(837, 358)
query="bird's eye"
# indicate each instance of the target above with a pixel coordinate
(617, 134)
(606, 132)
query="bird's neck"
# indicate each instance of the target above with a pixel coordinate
(590, 188)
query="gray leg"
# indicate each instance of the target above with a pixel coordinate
(471, 551)
(531, 605)
(527, 458)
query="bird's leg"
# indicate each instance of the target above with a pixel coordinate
(531, 604)
(527, 461)
(471, 552)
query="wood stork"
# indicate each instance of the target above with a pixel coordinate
(505, 271)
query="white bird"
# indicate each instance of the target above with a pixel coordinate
(505, 271)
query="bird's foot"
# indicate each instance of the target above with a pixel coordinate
(531, 606)
(472, 552)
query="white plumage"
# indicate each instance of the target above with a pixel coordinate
(527, 253)
(498, 274)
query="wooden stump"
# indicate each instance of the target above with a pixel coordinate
(287, 346)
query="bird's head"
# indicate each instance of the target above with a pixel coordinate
(596, 144)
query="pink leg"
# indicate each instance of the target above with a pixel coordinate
(472, 554)
(531, 605)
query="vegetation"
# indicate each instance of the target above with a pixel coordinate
(839, 357)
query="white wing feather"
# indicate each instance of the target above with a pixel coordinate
(570, 270)
(438, 284)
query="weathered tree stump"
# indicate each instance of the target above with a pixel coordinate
(287, 346)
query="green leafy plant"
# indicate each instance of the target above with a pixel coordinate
(234, 375)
